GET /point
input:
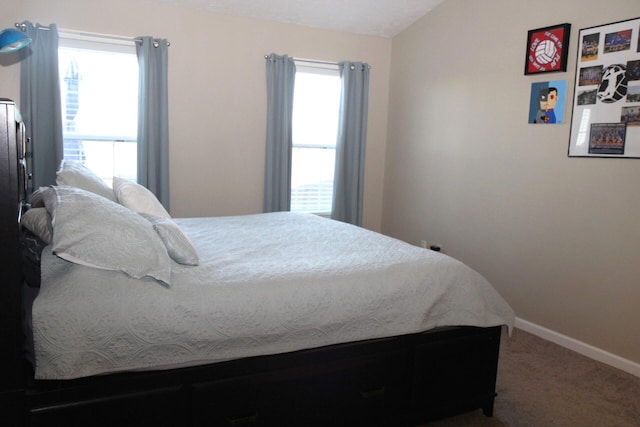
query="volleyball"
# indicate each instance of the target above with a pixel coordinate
(545, 52)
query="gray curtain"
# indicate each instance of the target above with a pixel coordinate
(281, 72)
(348, 186)
(40, 103)
(153, 117)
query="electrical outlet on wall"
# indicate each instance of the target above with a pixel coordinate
(433, 246)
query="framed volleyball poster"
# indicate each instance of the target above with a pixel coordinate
(547, 49)
(605, 119)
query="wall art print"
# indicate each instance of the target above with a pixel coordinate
(606, 107)
(547, 49)
(546, 105)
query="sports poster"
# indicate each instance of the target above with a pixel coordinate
(606, 105)
(547, 49)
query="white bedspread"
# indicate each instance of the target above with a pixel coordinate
(267, 284)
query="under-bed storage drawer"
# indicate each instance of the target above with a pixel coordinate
(461, 377)
(362, 391)
(158, 407)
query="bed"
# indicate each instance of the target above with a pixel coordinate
(138, 318)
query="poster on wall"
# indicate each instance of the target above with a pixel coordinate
(546, 105)
(606, 100)
(547, 49)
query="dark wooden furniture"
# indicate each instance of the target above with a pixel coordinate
(403, 380)
(395, 381)
(11, 153)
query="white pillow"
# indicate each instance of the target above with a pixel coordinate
(138, 198)
(78, 175)
(178, 245)
(93, 231)
(36, 199)
(38, 221)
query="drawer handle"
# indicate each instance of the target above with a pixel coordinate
(249, 419)
(368, 394)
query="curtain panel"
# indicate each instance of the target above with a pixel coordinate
(40, 103)
(281, 72)
(348, 184)
(153, 117)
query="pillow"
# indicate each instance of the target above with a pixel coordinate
(36, 199)
(93, 231)
(138, 198)
(38, 221)
(178, 245)
(78, 175)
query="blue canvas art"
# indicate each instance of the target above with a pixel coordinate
(547, 102)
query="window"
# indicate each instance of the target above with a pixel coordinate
(99, 92)
(316, 104)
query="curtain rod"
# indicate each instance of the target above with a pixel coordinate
(23, 27)
(312, 61)
(315, 61)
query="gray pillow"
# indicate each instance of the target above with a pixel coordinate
(78, 175)
(90, 230)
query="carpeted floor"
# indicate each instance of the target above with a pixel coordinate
(543, 384)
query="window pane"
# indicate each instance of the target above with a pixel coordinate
(316, 103)
(99, 91)
(312, 179)
(110, 158)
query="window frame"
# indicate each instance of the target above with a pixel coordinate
(317, 68)
(69, 39)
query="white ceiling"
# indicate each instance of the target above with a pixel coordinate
(384, 18)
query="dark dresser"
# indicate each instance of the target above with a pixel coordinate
(12, 178)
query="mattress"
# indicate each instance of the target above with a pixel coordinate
(266, 284)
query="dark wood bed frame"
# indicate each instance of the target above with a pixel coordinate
(403, 380)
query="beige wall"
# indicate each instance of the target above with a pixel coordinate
(218, 92)
(559, 237)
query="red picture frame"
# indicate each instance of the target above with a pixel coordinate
(547, 49)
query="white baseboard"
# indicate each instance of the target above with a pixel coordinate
(579, 347)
